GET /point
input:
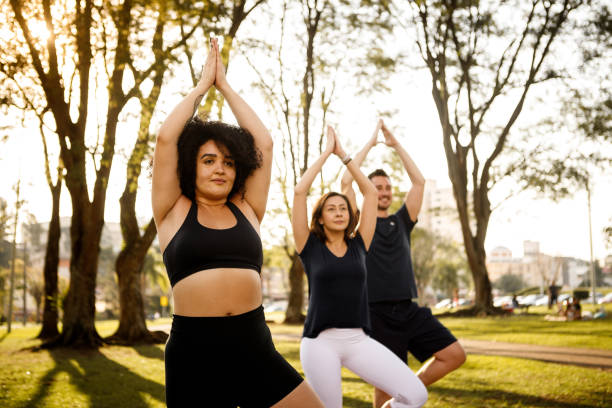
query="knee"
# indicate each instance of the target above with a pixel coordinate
(458, 356)
(416, 397)
(453, 356)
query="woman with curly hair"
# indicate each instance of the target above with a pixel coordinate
(210, 188)
(333, 250)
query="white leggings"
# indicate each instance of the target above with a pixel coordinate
(323, 357)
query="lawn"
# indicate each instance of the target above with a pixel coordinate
(133, 376)
(533, 329)
(518, 328)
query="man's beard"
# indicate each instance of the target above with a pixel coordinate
(384, 207)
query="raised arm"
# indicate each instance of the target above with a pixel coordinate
(258, 184)
(166, 188)
(299, 214)
(414, 197)
(367, 219)
(346, 184)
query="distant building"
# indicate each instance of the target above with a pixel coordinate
(536, 268)
(500, 254)
(531, 249)
(573, 271)
(439, 212)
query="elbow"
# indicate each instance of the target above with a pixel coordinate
(344, 186)
(299, 192)
(419, 182)
(267, 145)
(371, 191)
(163, 137)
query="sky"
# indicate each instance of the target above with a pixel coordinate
(561, 228)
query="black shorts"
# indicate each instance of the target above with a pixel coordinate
(225, 362)
(404, 327)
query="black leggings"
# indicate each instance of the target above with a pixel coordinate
(225, 362)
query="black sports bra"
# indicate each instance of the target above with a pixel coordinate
(195, 247)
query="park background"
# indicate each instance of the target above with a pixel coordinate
(90, 83)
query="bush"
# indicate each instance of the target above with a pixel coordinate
(509, 283)
(532, 290)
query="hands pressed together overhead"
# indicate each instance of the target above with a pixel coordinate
(333, 143)
(390, 140)
(213, 72)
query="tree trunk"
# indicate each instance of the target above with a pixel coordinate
(474, 245)
(294, 313)
(128, 266)
(483, 299)
(49, 328)
(132, 326)
(79, 330)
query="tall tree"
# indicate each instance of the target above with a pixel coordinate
(50, 314)
(129, 262)
(25, 100)
(582, 120)
(18, 205)
(300, 95)
(78, 37)
(129, 265)
(475, 55)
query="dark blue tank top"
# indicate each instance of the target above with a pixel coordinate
(338, 296)
(195, 247)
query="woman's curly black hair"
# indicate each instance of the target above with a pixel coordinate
(238, 141)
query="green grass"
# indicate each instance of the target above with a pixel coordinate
(533, 329)
(517, 328)
(133, 377)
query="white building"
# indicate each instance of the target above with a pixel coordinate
(439, 212)
(536, 268)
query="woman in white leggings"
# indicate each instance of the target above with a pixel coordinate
(336, 330)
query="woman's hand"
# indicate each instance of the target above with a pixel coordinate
(337, 148)
(331, 140)
(207, 79)
(374, 139)
(390, 140)
(220, 78)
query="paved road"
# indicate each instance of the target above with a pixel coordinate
(563, 355)
(601, 359)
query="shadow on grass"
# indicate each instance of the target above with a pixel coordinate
(102, 380)
(490, 397)
(3, 337)
(150, 351)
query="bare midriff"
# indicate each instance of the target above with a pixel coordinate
(217, 292)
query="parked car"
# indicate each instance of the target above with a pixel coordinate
(542, 301)
(561, 298)
(444, 303)
(605, 299)
(532, 299)
(278, 306)
(499, 301)
(589, 300)
(464, 302)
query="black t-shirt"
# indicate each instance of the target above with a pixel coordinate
(338, 297)
(390, 275)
